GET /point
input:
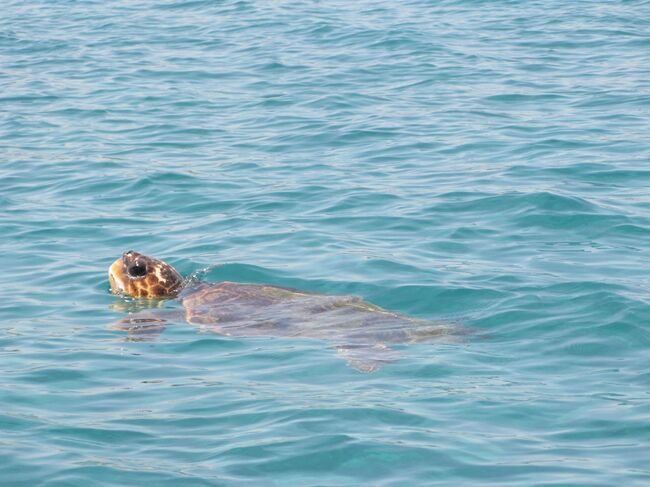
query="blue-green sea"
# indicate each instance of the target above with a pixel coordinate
(482, 163)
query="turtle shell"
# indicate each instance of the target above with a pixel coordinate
(252, 309)
(360, 331)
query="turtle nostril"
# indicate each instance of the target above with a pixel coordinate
(129, 256)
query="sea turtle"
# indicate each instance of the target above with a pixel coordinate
(360, 331)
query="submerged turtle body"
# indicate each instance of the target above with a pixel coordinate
(360, 331)
(251, 309)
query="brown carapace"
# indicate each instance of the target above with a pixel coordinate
(139, 276)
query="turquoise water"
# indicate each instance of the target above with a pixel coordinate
(478, 162)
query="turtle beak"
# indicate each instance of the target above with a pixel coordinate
(115, 276)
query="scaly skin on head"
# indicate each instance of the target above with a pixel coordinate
(139, 276)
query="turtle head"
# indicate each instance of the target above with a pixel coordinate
(139, 276)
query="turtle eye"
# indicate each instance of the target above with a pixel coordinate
(137, 270)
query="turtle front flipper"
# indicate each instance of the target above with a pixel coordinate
(367, 358)
(147, 325)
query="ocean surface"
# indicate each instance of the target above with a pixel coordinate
(463, 161)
